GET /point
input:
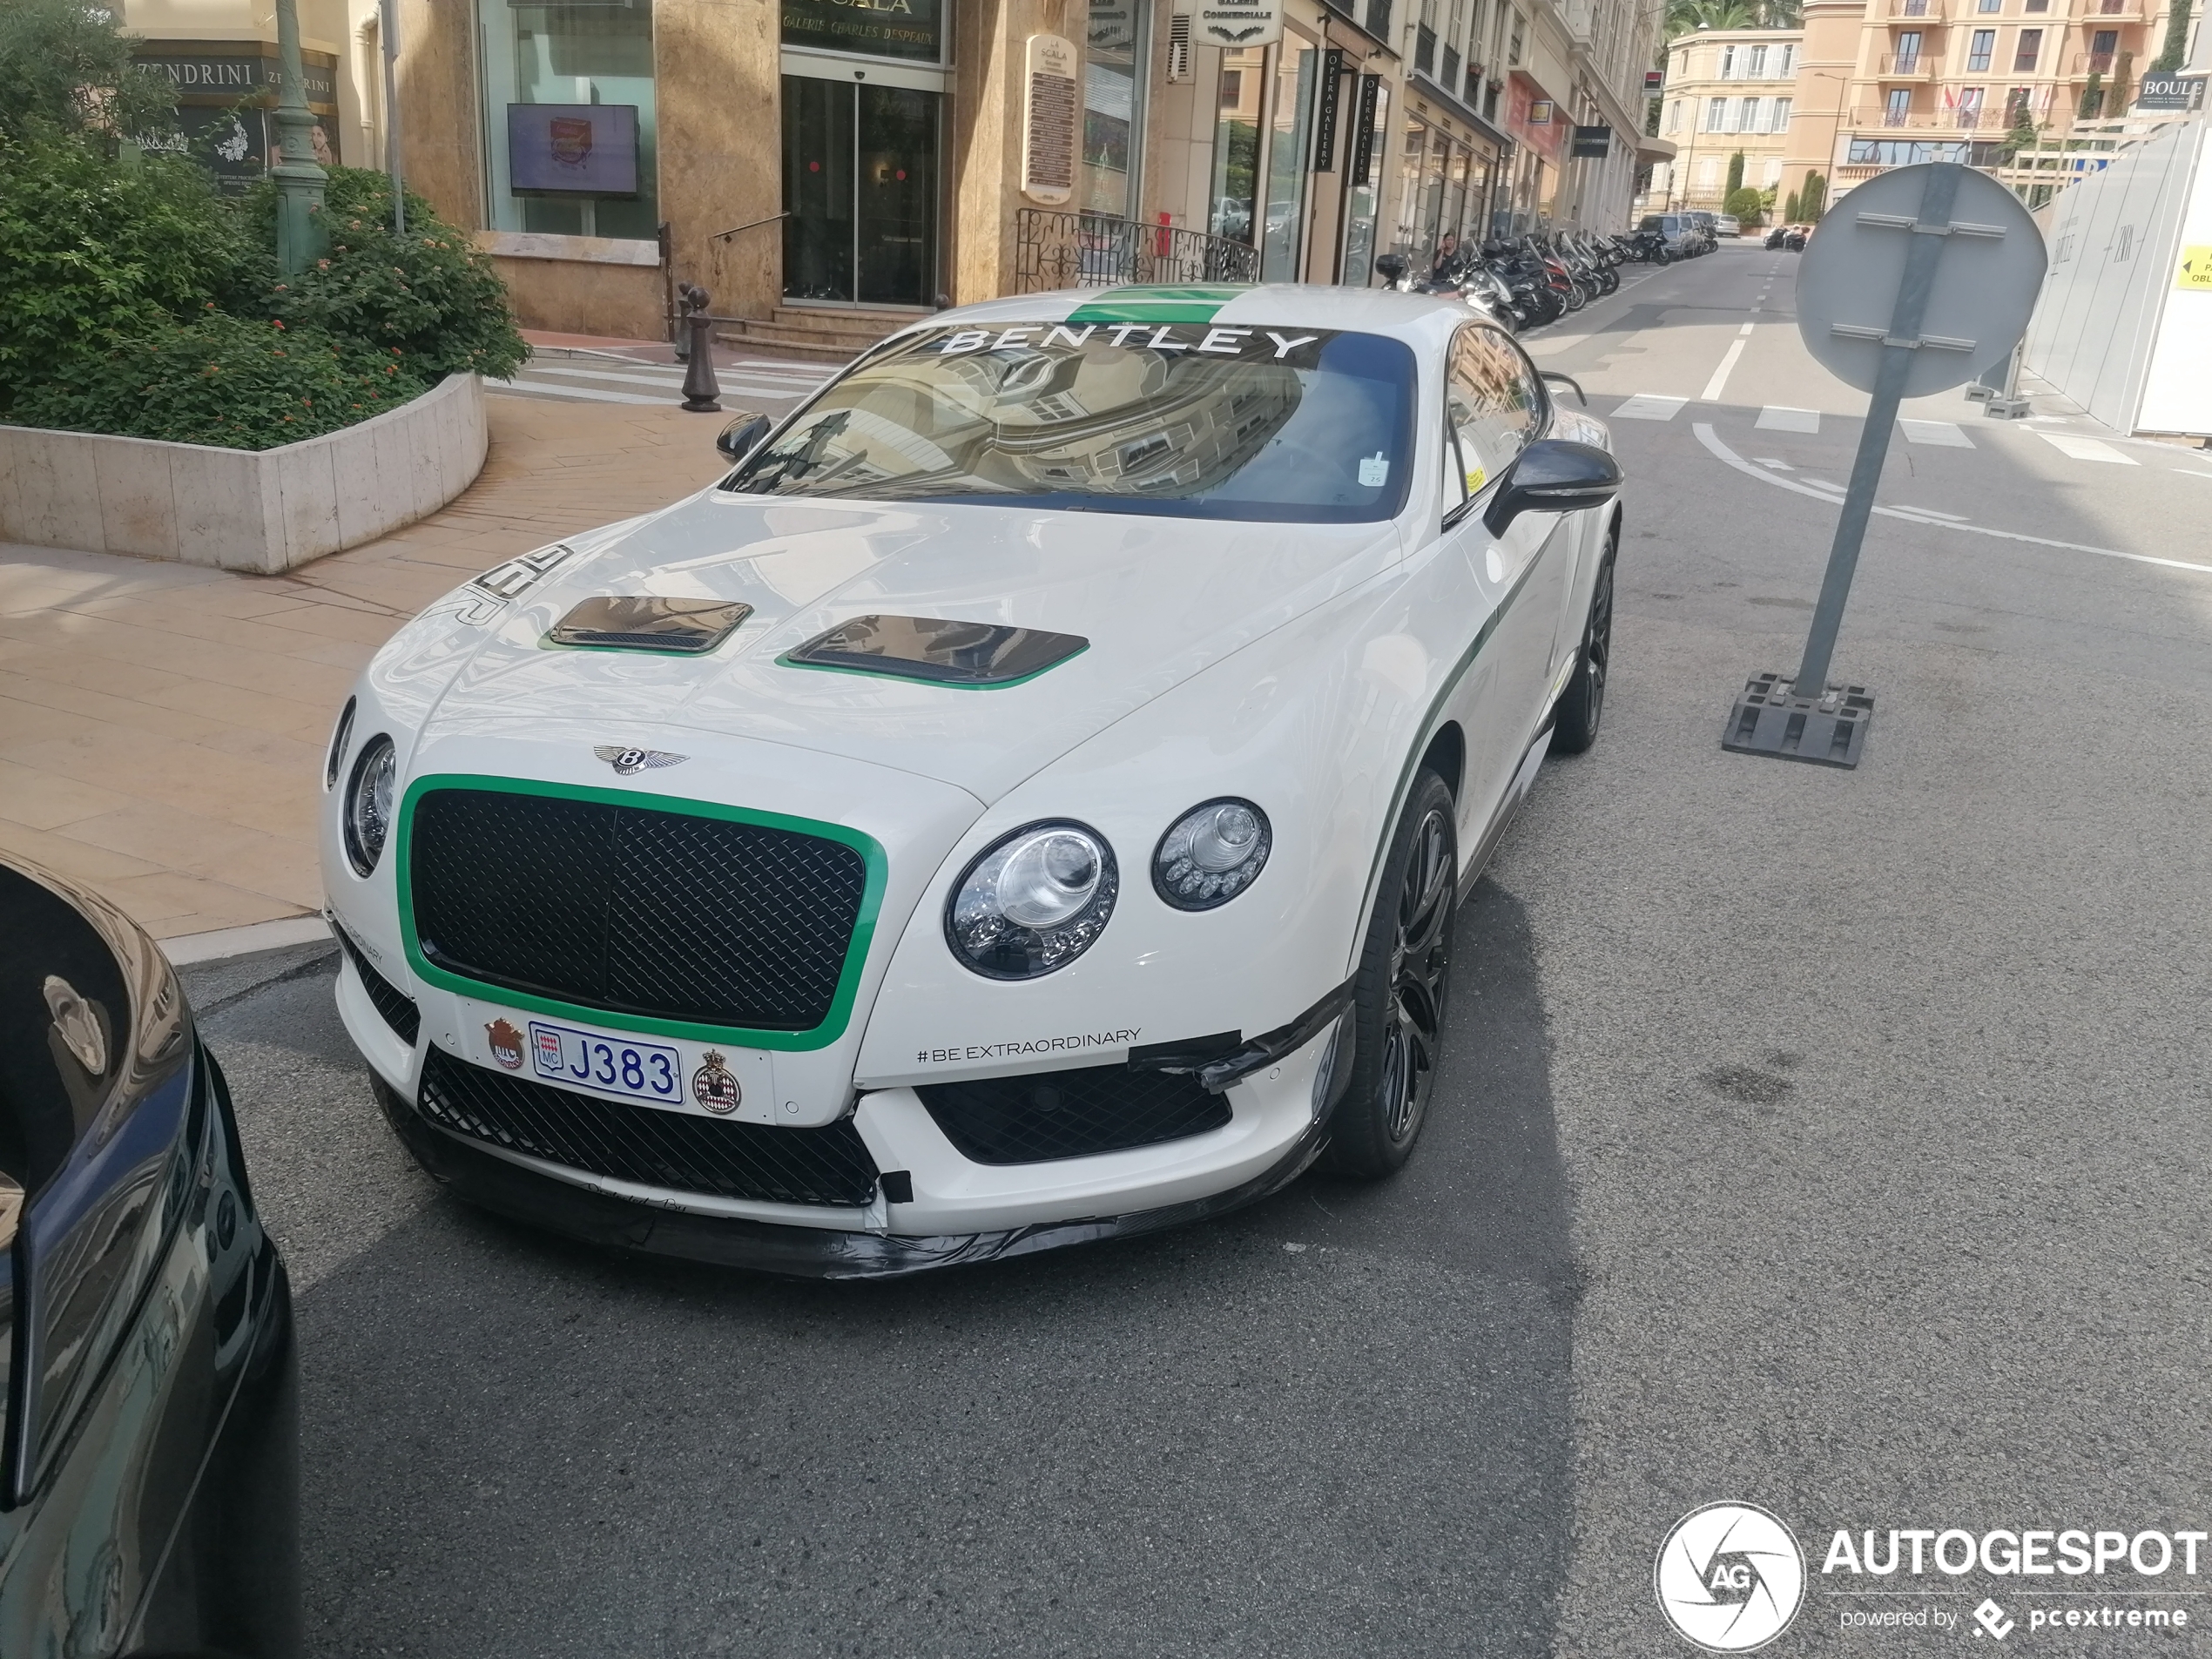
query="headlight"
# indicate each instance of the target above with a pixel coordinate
(369, 804)
(1212, 853)
(1033, 902)
(338, 739)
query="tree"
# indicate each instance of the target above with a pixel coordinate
(64, 68)
(2093, 97)
(1790, 209)
(1734, 177)
(1812, 201)
(2177, 38)
(1745, 205)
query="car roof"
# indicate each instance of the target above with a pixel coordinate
(1413, 316)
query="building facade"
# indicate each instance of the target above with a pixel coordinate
(1889, 82)
(1728, 92)
(880, 157)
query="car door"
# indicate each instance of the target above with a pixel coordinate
(1495, 408)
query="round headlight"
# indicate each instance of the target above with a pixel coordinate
(338, 739)
(1212, 853)
(1033, 902)
(369, 804)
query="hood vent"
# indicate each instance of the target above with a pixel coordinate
(639, 622)
(945, 653)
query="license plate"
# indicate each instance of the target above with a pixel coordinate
(647, 1071)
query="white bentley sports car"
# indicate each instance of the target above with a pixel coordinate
(1024, 801)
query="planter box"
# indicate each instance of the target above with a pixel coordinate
(262, 510)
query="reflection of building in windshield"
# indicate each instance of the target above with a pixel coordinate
(1105, 421)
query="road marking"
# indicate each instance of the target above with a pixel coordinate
(2087, 448)
(1943, 434)
(1776, 418)
(1712, 392)
(1821, 483)
(1769, 460)
(1727, 456)
(1645, 406)
(1930, 512)
(519, 388)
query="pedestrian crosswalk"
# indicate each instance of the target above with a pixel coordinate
(619, 380)
(1775, 418)
(2087, 448)
(1643, 406)
(1946, 435)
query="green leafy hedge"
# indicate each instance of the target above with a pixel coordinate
(135, 300)
(222, 379)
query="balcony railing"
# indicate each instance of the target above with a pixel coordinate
(1097, 251)
(1907, 66)
(1928, 8)
(2094, 63)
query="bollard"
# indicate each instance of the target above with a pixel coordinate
(702, 392)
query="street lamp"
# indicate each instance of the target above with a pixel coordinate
(301, 235)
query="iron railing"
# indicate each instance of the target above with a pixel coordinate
(1053, 250)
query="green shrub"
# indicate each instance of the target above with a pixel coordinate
(92, 250)
(221, 379)
(430, 293)
(1745, 204)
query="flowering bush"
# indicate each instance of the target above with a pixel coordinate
(221, 379)
(429, 293)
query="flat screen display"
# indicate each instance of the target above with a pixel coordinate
(572, 148)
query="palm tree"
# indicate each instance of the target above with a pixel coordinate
(1687, 16)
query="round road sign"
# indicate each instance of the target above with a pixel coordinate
(1977, 298)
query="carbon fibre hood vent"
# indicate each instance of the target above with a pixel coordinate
(945, 652)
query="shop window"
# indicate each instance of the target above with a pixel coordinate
(568, 118)
(1236, 143)
(1289, 148)
(1114, 108)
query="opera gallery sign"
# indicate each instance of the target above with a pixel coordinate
(1237, 23)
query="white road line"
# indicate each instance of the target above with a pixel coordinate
(520, 387)
(1821, 483)
(1727, 456)
(1746, 330)
(1779, 466)
(1930, 512)
(1713, 386)
(1943, 434)
(2087, 448)
(1777, 418)
(1645, 406)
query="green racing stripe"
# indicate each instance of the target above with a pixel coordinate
(1156, 305)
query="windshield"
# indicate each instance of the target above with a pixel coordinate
(1177, 420)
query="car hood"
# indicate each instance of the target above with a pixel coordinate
(1158, 599)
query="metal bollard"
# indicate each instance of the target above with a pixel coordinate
(702, 392)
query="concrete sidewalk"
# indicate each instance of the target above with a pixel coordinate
(162, 727)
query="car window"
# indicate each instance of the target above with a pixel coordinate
(1182, 420)
(1495, 403)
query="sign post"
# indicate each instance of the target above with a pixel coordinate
(1918, 279)
(389, 31)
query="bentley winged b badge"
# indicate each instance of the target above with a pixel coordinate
(627, 761)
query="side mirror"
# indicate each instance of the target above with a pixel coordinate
(1553, 476)
(742, 436)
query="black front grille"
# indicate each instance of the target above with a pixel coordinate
(395, 1005)
(1070, 1114)
(633, 910)
(646, 1145)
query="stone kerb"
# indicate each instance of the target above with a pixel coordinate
(262, 510)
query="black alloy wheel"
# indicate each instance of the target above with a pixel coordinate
(1582, 704)
(1402, 991)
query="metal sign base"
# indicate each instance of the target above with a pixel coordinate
(1771, 719)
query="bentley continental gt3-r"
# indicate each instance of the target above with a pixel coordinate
(1024, 801)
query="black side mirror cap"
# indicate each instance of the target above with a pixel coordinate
(1553, 476)
(742, 436)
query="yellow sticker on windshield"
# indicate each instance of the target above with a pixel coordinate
(1475, 476)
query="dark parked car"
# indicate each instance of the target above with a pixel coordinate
(149, 1488)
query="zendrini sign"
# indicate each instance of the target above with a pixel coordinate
(1730, 1578)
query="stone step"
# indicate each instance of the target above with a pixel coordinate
(763, 337)
(848, 317)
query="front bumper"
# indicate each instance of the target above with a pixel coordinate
(648, 1225)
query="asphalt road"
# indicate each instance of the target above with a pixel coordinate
(1837, 1142)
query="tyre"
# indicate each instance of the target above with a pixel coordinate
(1574, 299)
(1582, 704)
(1402, 992)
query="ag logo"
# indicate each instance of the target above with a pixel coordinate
(1730, 1577)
